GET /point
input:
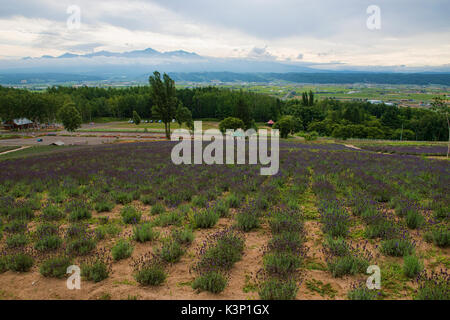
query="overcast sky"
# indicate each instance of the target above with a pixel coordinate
(413, 32)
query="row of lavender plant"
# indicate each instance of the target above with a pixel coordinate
(342, 256)
(279, 278)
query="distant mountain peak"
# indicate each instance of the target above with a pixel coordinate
(181, 53)
(68, 55)
(149, 52)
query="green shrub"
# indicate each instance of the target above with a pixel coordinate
(370, 215)
(103, 220)
(148, 199)
(278, 289)
(233, 201)
(122, 250)
(52, 213)
(58, 196)
(122, 197)
(144, 232)
(158, 208)
(362, 293)
(199, 201)
(55, 267)
(103, 206)
(402, 208)
(231, 123)
(33, 200)
(335, 221)
(412, 266)
(46, 229)
(293, 204)
(110, 230)
(80, 214)
(347, 265)
(221, 207)
(151, 273)
(247, 221)
(281, 264)
(226, 251)
(397, 247)
(96, 270)
(100, 233)
(262, 203)
(184, 209)
(170, 251)
(20, 262)
(442, 212)
(16, 240)
(183, 236)
(3, 263)
(285, 222)
(76, 230)
(80, 246)
(171, 218)
(414, 219)
(130, 215)
(433, 286)
(439, 235)
(48, 243)
(384, 229)
(16, 226)
(338, 247)
(286, 242)
(205, 218)
(213, 282)
(20, 190)
(382, 194)
(21, 211)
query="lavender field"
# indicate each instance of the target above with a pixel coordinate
(140, 227)
(430, 150)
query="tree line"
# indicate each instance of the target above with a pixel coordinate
(364, 120)
(94, 102)
(162, 101)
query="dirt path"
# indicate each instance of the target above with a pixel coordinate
(14, 150)
(352, 146)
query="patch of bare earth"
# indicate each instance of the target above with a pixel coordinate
(121, 284)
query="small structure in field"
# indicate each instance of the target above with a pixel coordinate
(18, 124)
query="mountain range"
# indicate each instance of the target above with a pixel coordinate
(137, 65)
(149, 52)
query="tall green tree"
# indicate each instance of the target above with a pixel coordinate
(231, 123)
(311, 98)
(183, 115)
(286, 125)
(440, 106)
(70, 117)
(165, 102)
(136, 118)
(305, 101)
(243, 112)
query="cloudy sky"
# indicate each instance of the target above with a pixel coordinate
(412, 33)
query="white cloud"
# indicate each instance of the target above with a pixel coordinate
(413, 32)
